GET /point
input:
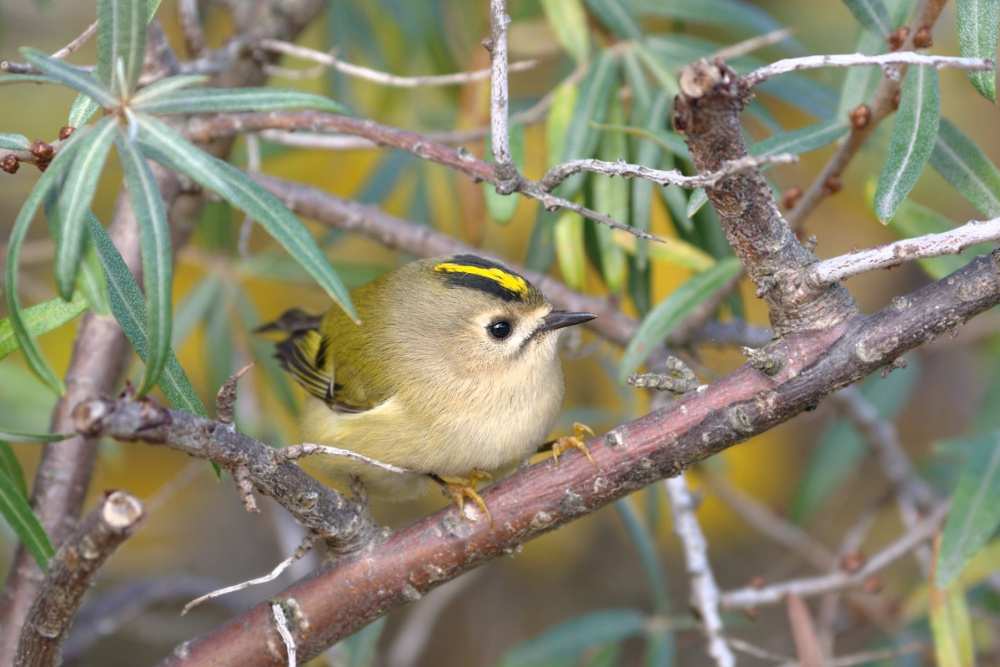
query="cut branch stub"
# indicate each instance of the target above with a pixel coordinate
(707, 112)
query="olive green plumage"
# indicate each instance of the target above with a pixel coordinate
(454, 367)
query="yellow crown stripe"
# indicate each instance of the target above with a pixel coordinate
(508, 281)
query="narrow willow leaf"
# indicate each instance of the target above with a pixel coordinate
(650, 153)
(503, 207)
(567, 640)
(361, 648)
(978, 30)
(570, 251)
(671, 311)
(11, 467)
(951, 627)
(672, 251)
(157, 257)
(914, 133)
(219, 100)
(129, 308)
(741, 16)
(841, 448)
(648, 556)
(91, 281)
(41, 318)
(568, 22)
(170, 149)
(33, 438)
(596, 90)
(975, 513)
(873, 15)
(611, 195)
(966, 167)
(121, 38)
(75, 198)
(559, 118)
(802, 140)
(168, 85)
(14, 142)
(697, 199)
(616, 16)
(71, 76)
(17, 512)
(32, 353)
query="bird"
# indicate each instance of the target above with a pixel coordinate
(452, 374)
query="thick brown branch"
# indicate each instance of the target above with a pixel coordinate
(345, 526)
(71, 574)
(342, 598)
(707, 112)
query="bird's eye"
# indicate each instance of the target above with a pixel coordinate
(500, 329)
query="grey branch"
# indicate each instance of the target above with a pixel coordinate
(951, 242)
(71, 573)
(704, 591)
(758, 76)
(559, 173)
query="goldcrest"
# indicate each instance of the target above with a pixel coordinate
(453, 372)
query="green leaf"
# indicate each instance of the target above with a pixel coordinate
(121, 38)
(591, 106)
(648, 556)
(975, 513)
(33, 354)
(41, 318)
(221, 100)
(741, 16)
(11, 467)
(697, 199)
(649, 153)
(33, 438)
(568, 22)
(569, 639)
(671, 311)
(92, 281)
(959, 160)
(951, 628)
(611, 195)
(17, 512)
(873, 15)
(168, 85)
(914, 133)
(129, 308)
(503, 207)
(75, 198)
(361, 648)
(71, 76)
(802, 140)
(560, 116)
(14, 142)
(570, 251)
(841, 447)
(157, 257)
(170, 149)
(978, 30)
(617, 17)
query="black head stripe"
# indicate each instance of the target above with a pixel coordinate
(474, 272)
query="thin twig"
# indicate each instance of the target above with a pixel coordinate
(190, 20)
(561, 172)
(505, 171)
(293, 452)
(24, 68)
(762, 74)
(286, 636)
(754, 597)
(71, 573)
(952, 242)
(384, 78)
(704, 591)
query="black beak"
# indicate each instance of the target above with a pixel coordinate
(558, 319)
